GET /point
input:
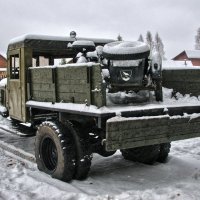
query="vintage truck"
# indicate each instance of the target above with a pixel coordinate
(70, 107)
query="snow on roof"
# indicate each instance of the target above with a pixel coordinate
(172, 64)
(193, 53)
(57, 38)
(39, 37)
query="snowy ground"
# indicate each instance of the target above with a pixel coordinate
(110, 178)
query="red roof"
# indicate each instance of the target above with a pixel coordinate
(190, 54)
(3, 61)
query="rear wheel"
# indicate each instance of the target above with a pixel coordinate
(82, 149)
(54, 151)
(164, 151)
(146, 154)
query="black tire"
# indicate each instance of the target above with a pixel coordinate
(146, 154)
(55, 151)
(96, 140)
(158, 91)
(136, 50)
(83, 152)
(164, 151)
(101, 150)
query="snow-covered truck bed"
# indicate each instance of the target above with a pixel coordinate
(137, 125)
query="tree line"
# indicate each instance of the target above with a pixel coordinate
(197, 40)
(155, 44)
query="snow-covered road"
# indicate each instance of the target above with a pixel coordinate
(110, 178)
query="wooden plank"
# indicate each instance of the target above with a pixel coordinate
(70, 73)
(72, 85)
(72, 82)
(43, 96)
(72, 97)
(133, 133)
(183, 81)
(98, 97)
(43, 86)
(136, 123)
(131, 144)
(72, 88)
(181, 75)
(41, 75)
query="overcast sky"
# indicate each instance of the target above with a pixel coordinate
(176, 21)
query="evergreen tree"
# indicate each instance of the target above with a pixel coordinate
(119, 38)
(141, 39)
(197, 40)
(159, 46)
(149, 40)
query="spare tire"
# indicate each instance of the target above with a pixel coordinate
(122, 50)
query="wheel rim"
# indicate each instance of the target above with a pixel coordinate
(49, 154)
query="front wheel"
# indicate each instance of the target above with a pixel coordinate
(55, 151)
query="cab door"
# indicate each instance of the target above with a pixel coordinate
(14, 85)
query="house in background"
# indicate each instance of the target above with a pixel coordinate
(3, 67)
(189, 55)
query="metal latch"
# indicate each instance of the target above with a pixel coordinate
(96, 90)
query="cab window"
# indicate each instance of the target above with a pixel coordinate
(14, 66)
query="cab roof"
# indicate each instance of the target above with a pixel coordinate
(50, 45)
